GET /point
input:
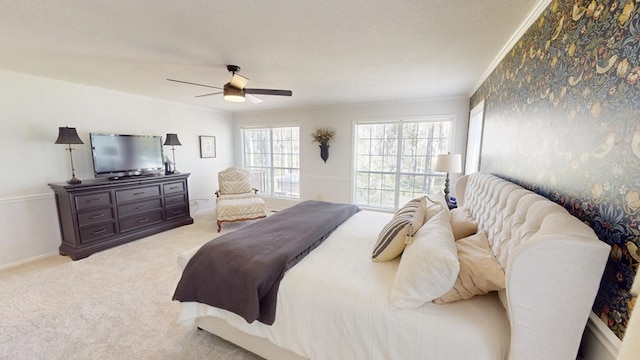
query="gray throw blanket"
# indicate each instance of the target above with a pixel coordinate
(240, 271)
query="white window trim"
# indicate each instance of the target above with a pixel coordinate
(272, 126)
(354, 143)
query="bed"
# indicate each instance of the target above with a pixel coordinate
(336, 304)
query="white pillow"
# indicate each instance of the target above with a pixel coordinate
(429, 265)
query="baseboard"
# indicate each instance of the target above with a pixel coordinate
(598, 341)
(31, 259)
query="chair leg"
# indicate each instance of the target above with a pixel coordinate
(219, 225)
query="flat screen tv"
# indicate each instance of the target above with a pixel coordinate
(117, 155)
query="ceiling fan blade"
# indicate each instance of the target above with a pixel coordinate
(253, 99)
(215, 93)
(268, 92)
(190, 83)
(239, 81)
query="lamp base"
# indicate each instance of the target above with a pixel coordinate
(446, 188)
(74, 181)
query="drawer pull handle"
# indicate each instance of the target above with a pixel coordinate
(141, 207)
(98, 231)
(143, 220)
(93, 200)
(173, 187)
(96, 216)
(176, 212)
(138, 193)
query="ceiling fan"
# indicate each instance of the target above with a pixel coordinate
(235, 90)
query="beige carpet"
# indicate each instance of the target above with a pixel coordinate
(115, 304)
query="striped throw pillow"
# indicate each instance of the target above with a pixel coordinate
(400, 230)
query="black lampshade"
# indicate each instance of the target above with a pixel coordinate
(172, 139)
(67, 135)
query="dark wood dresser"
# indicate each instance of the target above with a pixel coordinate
(99, 213)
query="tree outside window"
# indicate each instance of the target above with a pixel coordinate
(272, 156)
(394, 160)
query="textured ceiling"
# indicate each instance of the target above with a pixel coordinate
(325, 51)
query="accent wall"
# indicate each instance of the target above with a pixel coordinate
(562, 117)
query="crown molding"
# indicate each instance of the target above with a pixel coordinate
(534, 14)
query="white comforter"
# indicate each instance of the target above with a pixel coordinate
(335, 305)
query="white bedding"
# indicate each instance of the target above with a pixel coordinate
(334, 304)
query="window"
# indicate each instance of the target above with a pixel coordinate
(394, 160)
(272, 156)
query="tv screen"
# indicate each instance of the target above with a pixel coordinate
(117, 155)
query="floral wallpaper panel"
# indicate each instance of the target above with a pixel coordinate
(562, 117)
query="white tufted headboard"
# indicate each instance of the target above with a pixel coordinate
(553, 264)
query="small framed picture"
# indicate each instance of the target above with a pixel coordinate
(207, 146)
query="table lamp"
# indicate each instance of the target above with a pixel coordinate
(67, 135)
(449, 163)
(172, 139)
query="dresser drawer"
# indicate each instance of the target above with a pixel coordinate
(135, 222)
(176, 212)
(138, 207)
(95, 216)
(137, 193)
(95, 233)
(173, 187)
(174, 200)
(93, 200)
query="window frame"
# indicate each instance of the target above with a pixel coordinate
(271, 184)
(451, 118)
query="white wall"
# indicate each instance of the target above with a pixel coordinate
(332, 181)
(32, 109)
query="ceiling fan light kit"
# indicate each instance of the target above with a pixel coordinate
(235, 91)
(233, 94)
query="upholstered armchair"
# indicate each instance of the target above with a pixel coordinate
(236, 200)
